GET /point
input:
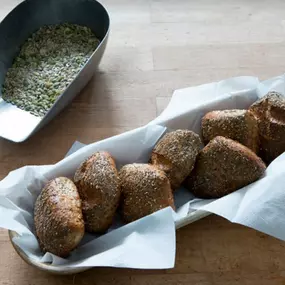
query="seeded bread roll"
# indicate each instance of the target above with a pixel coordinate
(97, 182)
(145, 190)
(239, 125)
(175, 154)
(269, 112)
(58, 217)
(222, 167)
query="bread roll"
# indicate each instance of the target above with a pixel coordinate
(145, 190)
(58, 217)
(97, 182)
(175, 154)
(269, 112)
(222, 167)
(239, 125)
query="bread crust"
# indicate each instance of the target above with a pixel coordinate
(175, 154)
(239, 125)
(97, 182)
(58, 217)
(222, 167)
(269, 112)
(145, 190)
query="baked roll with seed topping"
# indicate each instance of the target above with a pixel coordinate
(175, 154)
(222, 167)
(97, 182)
(269, 112)
(238, 125)
(145, 190)
(58, 217)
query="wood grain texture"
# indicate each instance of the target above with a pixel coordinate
(155, 47)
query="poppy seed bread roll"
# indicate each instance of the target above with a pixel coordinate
(222, 167)
(238, 125)
(58, 217)
(175, 154)
(97, 182)
(269, 112)
(145, 190)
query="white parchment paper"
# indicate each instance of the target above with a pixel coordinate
(146, 243)
(260, 205)
(150, 242)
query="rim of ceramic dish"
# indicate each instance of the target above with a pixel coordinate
(65, 270)
(60, 270)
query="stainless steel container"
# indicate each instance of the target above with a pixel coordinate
(18, 125)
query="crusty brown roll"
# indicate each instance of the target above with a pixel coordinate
(222, 167)
(58, 217)
(270, 114)
(97, 182)
(145, 190)
(239, 125)
(175, 154)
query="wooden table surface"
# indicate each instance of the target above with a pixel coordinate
(155, 47)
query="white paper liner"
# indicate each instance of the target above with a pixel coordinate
(150, 242)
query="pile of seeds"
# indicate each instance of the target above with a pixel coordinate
(47, 63)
